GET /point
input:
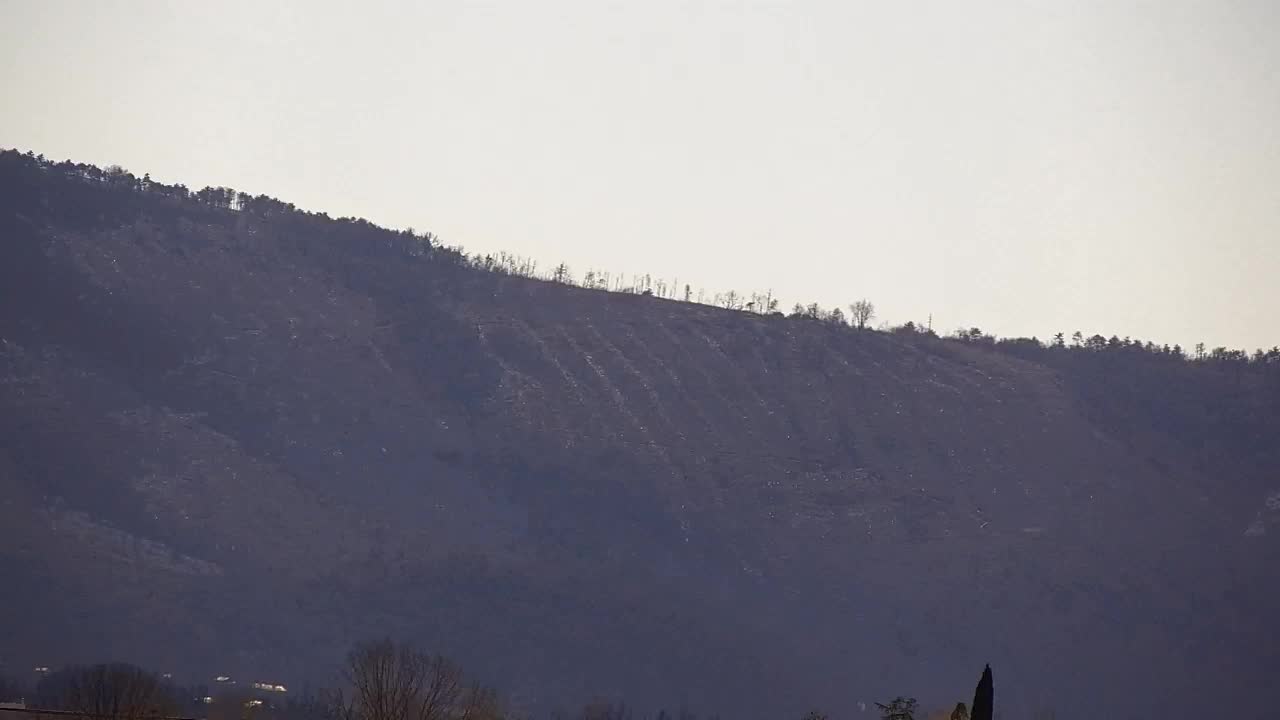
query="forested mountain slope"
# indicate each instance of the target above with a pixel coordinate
(235, 440)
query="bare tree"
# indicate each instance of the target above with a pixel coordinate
(900, 708)
(115, 691)
(562, 274)
(861, 313)
(397, 682)
(480, 703)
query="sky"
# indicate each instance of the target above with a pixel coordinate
(1022, 167)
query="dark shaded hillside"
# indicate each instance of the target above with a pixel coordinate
(234, 441)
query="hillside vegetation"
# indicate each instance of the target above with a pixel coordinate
(236, 437)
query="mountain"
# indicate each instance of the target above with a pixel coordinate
(236, 437)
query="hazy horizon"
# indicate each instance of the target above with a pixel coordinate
(1111, 168)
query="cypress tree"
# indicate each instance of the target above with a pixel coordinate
(983, 697)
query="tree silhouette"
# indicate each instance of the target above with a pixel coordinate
(562, 274)
(900, 708)
(397, 682)
(984, 697)
(861, 313)
(109, 691)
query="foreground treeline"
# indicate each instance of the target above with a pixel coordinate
(380, 680)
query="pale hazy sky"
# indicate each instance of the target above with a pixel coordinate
(1023, 167)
